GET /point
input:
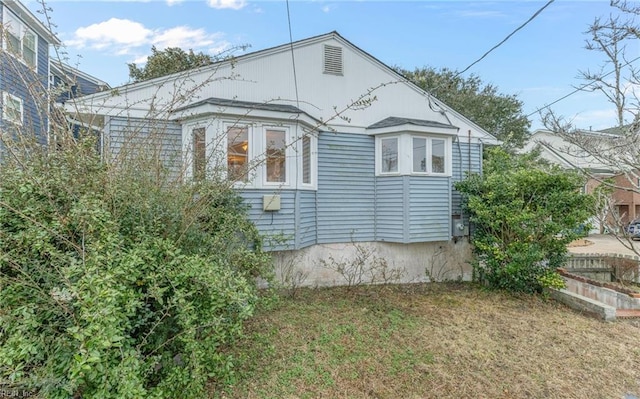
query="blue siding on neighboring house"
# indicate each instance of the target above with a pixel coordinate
(129, 134)
(278, 228)
(390, 208)
(429, 212)
(72, 86)
(346, 192)
(30, 86)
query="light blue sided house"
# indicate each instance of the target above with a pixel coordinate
(24, 71)
(335, 153)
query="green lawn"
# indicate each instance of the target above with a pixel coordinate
(432, 341)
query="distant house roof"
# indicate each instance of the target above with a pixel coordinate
(557, 149)
(70, 74)
(396, 121)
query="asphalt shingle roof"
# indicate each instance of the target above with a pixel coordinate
(395, 121)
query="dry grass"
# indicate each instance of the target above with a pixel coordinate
(433, 341)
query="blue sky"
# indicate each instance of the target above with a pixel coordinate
(539, 64)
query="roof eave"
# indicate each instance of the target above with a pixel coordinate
(34, 23)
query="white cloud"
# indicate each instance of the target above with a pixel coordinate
(174, 2)
(232, 4)
(125, 37)
(328, 8)
(120, 33)
(183, 36)
(596, 119)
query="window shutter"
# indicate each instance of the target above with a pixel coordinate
(333, 60)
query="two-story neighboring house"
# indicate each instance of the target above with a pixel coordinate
(331, 149)
(69, 82)
(24, 71)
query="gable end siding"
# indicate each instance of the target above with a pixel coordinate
(346, 193)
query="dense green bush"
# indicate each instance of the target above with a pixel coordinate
(524, 214)
(116, 281)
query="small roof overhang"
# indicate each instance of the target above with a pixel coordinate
(244, 109)
(395, 125)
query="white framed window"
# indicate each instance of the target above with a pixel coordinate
(418, 154)
(238, 152)
(275, 155)
(251, 153)
(438, 156)
(307, 169)
(12, 108)
(389, 152)
(19, 39)
(199, 151)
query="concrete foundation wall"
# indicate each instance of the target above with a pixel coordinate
(618, 300)
(584, 304)
(374, 262)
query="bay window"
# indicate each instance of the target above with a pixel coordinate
(238, 153)
(306, 159)
(251, 153)
(276, 159)
(409, 153)
(199, 153)
(437, 156)
(389, 149)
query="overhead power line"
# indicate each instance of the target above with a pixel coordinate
(580, 88)
(508, 37)
(499, 44)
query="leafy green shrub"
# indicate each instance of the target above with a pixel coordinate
(116, 281)
(524, 214)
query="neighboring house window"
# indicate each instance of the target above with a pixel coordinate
(199, 153)
(19, 39)
(306, 159)
(238, 153)
(12, 108)
(389, 156)
(276, 160)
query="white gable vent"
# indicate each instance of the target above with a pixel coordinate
(333, 60)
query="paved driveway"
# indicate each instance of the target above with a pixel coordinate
(604, 243)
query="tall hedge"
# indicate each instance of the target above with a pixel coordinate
(524, 213)
(117, 281)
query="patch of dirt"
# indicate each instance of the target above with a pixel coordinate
(580, 243)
